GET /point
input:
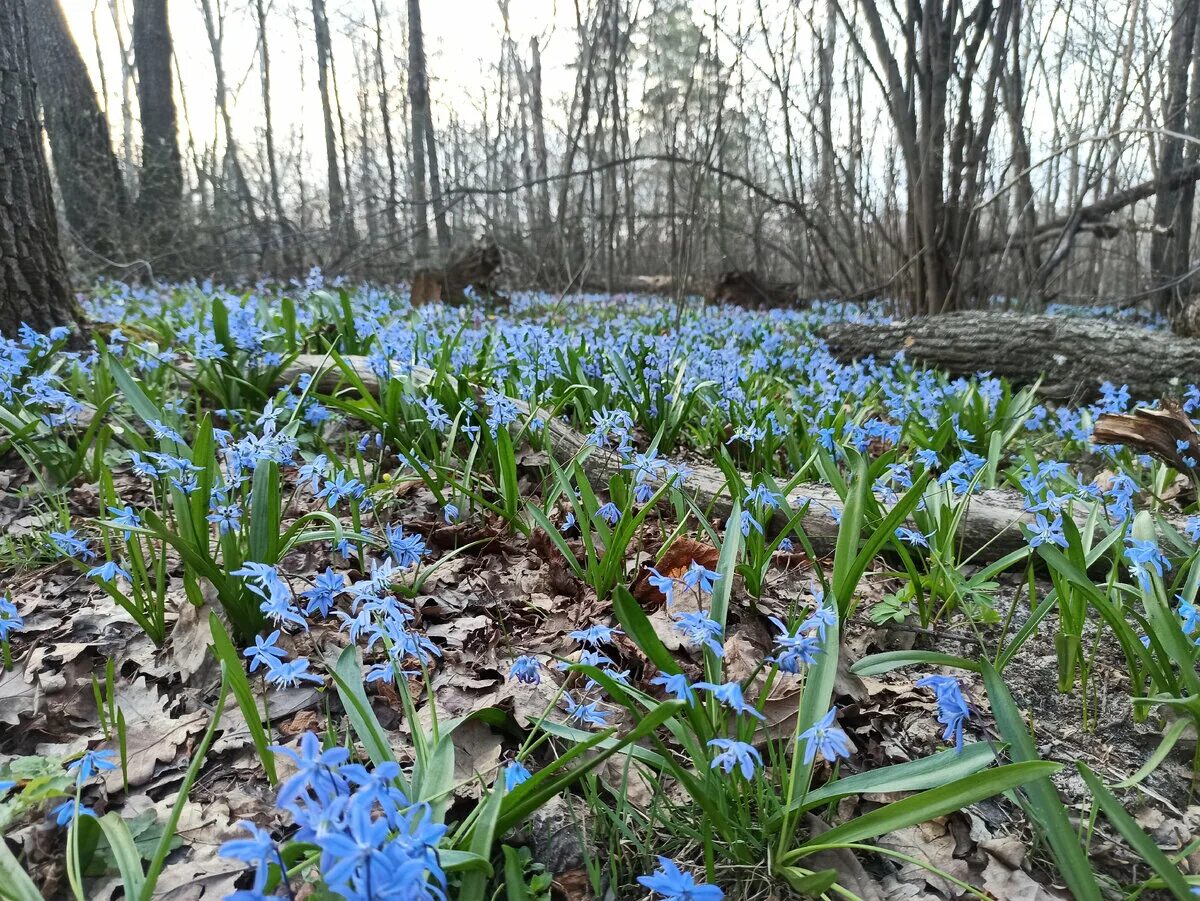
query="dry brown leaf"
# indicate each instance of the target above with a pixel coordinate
(152, 735)
(673, 564)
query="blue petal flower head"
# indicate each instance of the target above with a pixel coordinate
(730, 694)
(739, 754)
(827, 737)
(67, 811)
(258, 850)
(953, 706)
(669, 882)
(698, 576)
(609, 513)
(514, 774)
(291, 673)
(450, 513)
(588, 714)
(1044, 532)
(594, 635)
(569, 523)
(677, 686)
(108, 571)
(92, 762)
(699, 630)
(317, 775)
(527, 669)
(666, 584)
(1144, 557)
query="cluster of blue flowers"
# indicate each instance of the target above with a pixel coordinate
(375, 843)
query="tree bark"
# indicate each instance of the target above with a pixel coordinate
(337, 197)
(418, 102)
(1072, 356)
(89, 178)
(34, 288)
(162, 166)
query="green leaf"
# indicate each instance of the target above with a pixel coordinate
(913, 775)
(637, 626)
(240, 686)
(348, 679)
(514, 875)
(263, 546)
(125, 852)
(874, 664)
(1044, 803)
(15, 883)
(927, 805)
(474, 884)
(1138, 840)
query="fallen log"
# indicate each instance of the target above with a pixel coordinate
(989, 529)
(1072, 356)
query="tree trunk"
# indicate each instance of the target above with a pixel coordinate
(89, 178)
(418, 102)
(287, 239)
(34, 288)
(162, 166)
(1074, 356)
(1171, 242)
(337, 198)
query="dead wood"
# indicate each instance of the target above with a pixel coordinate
(477, 268)
(1073, 357)
(1166, 434)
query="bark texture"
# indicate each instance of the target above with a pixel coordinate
(1073, 356)
(89, 177)
(34, 287)
(162, 165)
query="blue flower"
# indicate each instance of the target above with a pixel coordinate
(291, 673)
(827, 737)
(514, 774)
(108, 571)
(1044, 532)
(730, 694)
(527, 669)
(953, 707)
(674, 885)
(259, 850)
(699, 630)
(588, 714)
(665, 584)
(677, 686)
(67, 811)
(609, 513)
(1144, 557)
(738, 754)
(92, 762)
(450, 513)
(265, 652)
(594, 635)
(317, 775)
(406, 550)
(700, 577)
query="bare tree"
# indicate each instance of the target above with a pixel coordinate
(162, 168)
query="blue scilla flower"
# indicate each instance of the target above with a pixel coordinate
(69, 810)
(594, 635)
(290, 673)
(699, 630)
(1045, 532)
(10, 618)
(672, 884)
(258, 850)
(698, 576)
(514, 774)
(588, 714)
(527, 669)
(953, 707)
(739, 754)
(92, 762)
(317, 778)
(730, 695)
(676, 685)
(827, 737)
